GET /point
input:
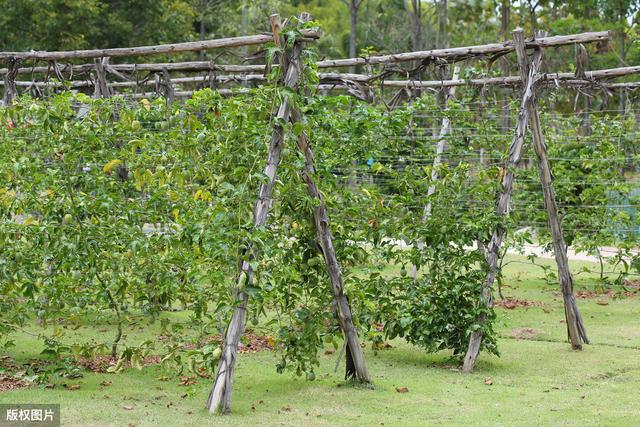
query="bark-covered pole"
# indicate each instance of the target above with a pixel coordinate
(575, 327)
(445, 128)
(492, 252)
(505, 18)
(356, 367)
(10, 90)
(220, 396)
(101, 89)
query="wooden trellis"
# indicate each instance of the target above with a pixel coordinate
(531, 79)
(220, 396)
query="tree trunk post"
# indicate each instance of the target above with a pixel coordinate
(505, 17)
(219, 400)
(353, 31)
(492, 252)
(356, 367)
(445, 128)
(10, 90)
(101, 89)
(575, 327)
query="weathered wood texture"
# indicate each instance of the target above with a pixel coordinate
(560, 78)
(575, 326)
(356, 367)
(152, 50)
(101, 87)
(154, 67)
(492, 250)
(10, 90)
(342, 81)
(460, 53)
(220, 396)
(446, 54)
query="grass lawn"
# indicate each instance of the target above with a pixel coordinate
(538, 381)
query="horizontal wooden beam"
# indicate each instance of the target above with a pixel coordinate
(78, 84)
(590, 77)
(460, 53)
(151, 50)
(342, 79)
(157, 67)
(445, 54)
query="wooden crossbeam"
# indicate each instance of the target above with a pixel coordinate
(450, 54)
(151, 50)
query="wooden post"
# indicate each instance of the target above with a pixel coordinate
(166, 86)
(101, 89)
(220, 397)
(492, 251)
(445, 127)
(356, 367)
(10, 90)
(575, 327)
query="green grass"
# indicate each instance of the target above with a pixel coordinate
(535, 382)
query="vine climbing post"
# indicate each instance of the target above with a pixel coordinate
(445, 128)
(356, 367)
(575, 327)
(220, 396)
(492, 252)
(10, 90)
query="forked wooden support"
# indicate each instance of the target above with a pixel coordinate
(575, 327)
(530, 74)
(219, 400)
(492, 252)
(220, 397)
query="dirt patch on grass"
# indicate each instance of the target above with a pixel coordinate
(512, 303)
(249, 343)
(100, 364)
(9, 382)
(632, 283)
(607, 294)
(524, 333)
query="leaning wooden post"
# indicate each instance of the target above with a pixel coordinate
(220, 397)
(10, 90)
(356, 367)
(492, 251)
(445, 127)
(101, 89)
(575, 327)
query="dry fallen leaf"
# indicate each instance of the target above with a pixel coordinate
(488, 381)
(602, 302)
(128, 408)
(190, 380)
(106, 383)
(402, 389)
